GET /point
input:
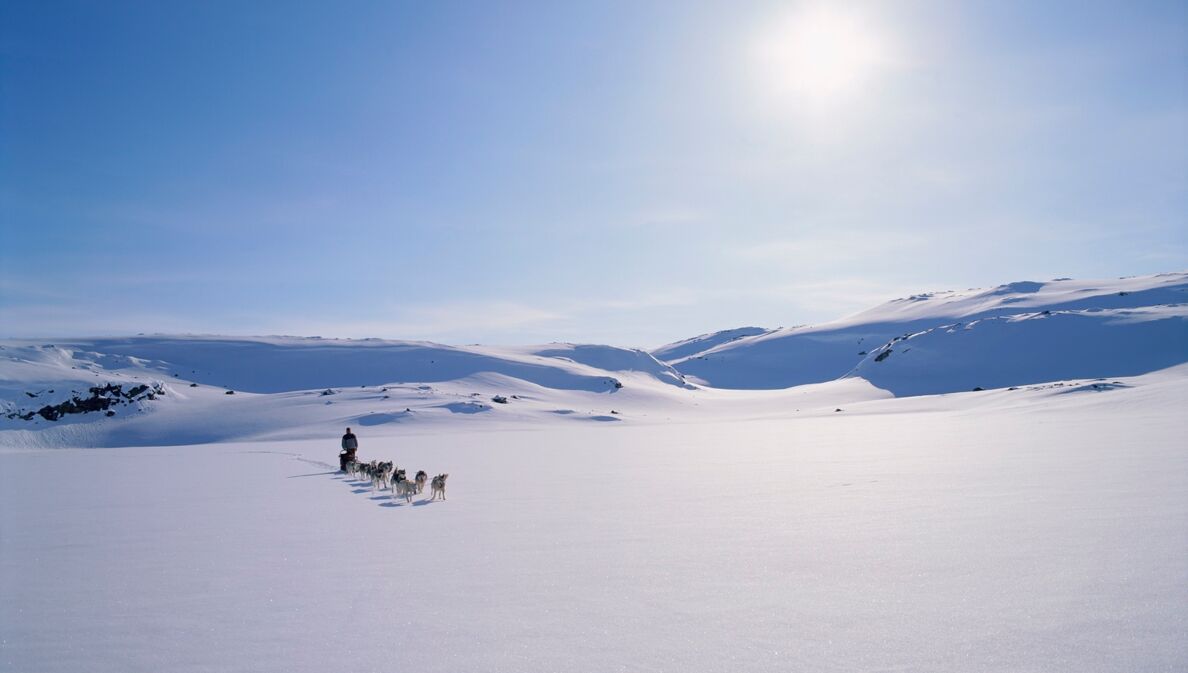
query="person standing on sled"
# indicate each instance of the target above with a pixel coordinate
(350, 444)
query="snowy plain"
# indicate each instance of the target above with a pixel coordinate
(653, 525)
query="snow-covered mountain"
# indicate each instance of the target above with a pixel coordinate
(188, 389)
(1028, 352)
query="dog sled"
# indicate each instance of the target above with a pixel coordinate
(345, 458)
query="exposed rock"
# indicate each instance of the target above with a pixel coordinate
(101, 398)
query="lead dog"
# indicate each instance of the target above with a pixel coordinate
(421, 479)
(438, 486)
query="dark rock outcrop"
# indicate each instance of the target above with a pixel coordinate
(101, 398)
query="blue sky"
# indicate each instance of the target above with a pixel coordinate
(619, 172)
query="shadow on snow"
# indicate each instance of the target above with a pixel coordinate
(361, 487)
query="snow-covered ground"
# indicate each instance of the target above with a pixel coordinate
(1041, 529)
(605, 511)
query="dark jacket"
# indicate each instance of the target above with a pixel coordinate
(349, 442)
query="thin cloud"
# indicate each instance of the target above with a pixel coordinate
(818, 250)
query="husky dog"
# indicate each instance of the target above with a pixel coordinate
(438, 485)
(381, 478)
(369, 470)
(421, 479)
(403, 488)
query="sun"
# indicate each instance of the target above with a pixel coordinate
(817, 56)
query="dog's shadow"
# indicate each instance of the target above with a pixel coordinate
(361, 487)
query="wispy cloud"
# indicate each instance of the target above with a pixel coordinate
(816, 250)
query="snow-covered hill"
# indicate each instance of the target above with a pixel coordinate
(214, 387)
(278, 364)
(795, 356)
(679, 350)
(191, 389)
(1021, 349)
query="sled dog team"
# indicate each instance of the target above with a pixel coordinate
(385, 475)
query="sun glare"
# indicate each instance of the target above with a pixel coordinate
(816, 57)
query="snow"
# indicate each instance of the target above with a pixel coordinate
(794, 356)
(998, 352)
(685, 348)
(278, 364)
(997, 531)
(614, 514)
